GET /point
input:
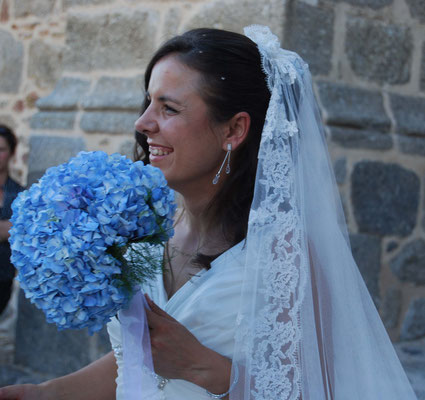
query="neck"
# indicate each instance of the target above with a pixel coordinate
(194, 228)
(193, 216)
(195, 198)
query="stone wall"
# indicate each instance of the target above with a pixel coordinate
(71, 78)
(368, 61)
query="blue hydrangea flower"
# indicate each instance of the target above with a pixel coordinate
(70, 231)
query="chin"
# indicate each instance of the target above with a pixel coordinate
(168, 178)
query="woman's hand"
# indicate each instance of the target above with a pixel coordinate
(177, 354)
(22, 392)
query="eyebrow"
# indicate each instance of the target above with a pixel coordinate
(165, 98)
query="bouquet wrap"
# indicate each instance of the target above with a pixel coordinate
(140, 382)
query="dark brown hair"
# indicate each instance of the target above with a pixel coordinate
(232, 81)
(10, 137)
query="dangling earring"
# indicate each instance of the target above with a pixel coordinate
(227, 157)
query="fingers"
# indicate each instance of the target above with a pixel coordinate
(154, 320)
(157, 310)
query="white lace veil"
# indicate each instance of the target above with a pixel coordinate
(307, 327)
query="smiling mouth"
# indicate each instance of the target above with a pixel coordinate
(159, 151)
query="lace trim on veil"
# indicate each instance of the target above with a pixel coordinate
(271, 342)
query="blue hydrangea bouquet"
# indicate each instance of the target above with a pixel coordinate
(71, 230)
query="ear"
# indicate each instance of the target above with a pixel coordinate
(236, 130)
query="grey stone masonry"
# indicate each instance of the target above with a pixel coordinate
(409, 113)
(374, 4)
(70, 3)
(39, 8)
(409, 264)
(309, 32)
(47, 151)
(385, 198)
(115, 93)
(172, 21)
(423, 69)
(358, 138)
(45, 63)
(11, 62)
(379, 52)
(127, 148)
(36, 341)
(391, 306)
(367, 253)
(414, 324)
(13, 375)
(66, 94)
(234, 15)
(412, 357)
(110, 40)
(417, 9)
(353, 107)
(412, 145)
(53, 120)
(392, 245)
(423, 205)
(109, 122)
(340, 170)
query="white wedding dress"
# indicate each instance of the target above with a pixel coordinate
(207, 305)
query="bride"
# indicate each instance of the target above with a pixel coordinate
(260, 297)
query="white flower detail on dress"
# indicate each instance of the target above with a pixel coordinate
(161, 381)
(117, 349)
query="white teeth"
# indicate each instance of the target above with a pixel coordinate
(158, 152)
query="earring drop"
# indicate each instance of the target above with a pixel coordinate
(226, 158)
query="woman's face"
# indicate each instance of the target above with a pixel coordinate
(182, 140)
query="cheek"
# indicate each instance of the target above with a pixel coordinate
(204, 155)
(192, 142)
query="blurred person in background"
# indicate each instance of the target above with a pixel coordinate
(9, 189)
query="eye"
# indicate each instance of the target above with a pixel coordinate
(170, 110)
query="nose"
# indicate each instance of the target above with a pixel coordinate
(146, 123)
